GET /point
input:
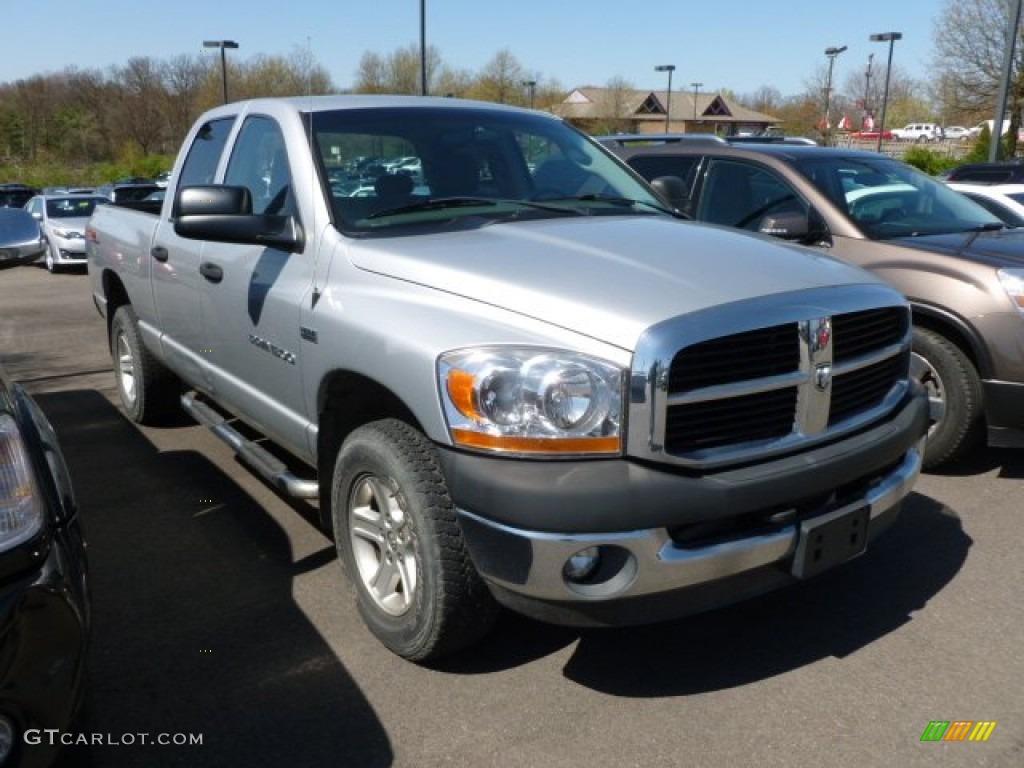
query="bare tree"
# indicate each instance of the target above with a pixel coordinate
(765, 99)
(371, 76)
(501, 80)
(970, 45)
(184, 79)
(138, 114)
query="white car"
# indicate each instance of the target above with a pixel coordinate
(918, 132)
(62, 218)
(956, 133)
(1005, 201)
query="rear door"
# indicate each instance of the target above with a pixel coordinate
(175, 262)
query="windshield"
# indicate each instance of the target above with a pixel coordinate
(72, 207)
(889, 199)
(391, 169)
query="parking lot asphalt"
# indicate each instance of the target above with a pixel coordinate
(219, 610)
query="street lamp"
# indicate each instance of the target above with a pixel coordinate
(867, 85)
(831, 52)
(695, 87)
(670, 68)
(890, 38)
(423, 47)
(223, 45)
(532, 86)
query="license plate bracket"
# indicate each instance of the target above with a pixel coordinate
(828, 540)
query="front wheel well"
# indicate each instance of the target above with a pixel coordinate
(348, 401)
(956, 335)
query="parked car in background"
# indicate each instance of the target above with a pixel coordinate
(1005, 201)
(44, 597)
(21, 239)
(870, 135)
(924, 238)
(121, 192)
(918, 132)
(1007, 172)
(956, 133)
(62, 219)
(15, 195)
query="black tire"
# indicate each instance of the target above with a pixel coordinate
(148, 390)
(432, 600)
(955, 394)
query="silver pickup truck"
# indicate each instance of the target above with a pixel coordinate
(508, 374)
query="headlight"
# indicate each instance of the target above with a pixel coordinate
(67, 234)
(21, 508)
(529, 400)
(1013, 283)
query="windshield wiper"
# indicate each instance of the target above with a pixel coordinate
(437, 204)
(624, 202)
(990, 227)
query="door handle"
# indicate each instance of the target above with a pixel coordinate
(159, 253)
(211, 271)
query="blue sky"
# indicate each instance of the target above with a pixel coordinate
(740, 44)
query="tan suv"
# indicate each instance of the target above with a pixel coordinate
(961, 269)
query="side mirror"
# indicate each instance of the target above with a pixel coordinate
(789, 225)
(224, 214)
(672, 190)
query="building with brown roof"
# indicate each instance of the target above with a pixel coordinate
(605, 110)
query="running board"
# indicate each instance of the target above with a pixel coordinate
(258, 458)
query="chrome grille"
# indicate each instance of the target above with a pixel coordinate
(798, 379)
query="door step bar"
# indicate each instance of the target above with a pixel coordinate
(258, 458)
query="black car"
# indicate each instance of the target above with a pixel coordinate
(44, 603)
(16, 195)
(1010, 172)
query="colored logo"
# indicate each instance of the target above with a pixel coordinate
(958, 730)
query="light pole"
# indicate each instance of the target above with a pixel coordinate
(423, 47)
(867, 85)
(670, 68)
(695, 87)
(890, 38)
(831, 52)
(223, 45)
(996, 140)
(532, 86)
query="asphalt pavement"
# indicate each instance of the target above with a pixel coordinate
(220, 616)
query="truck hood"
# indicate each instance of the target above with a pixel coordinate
(609, 278)
(1000, 248)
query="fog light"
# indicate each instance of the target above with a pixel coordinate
(582, 565)
(6, 739)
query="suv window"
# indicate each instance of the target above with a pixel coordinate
(259, 161)
(200, 165)
(744, 195)
(652, 166)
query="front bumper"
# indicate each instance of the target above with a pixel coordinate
(702, 542)
(69, 251)
(1004, 413)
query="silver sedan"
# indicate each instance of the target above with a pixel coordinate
(62, 219)
(21, 240)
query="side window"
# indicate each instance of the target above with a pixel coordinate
(746, 196)
(259, 162)
(200, 165)
(652, 166)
